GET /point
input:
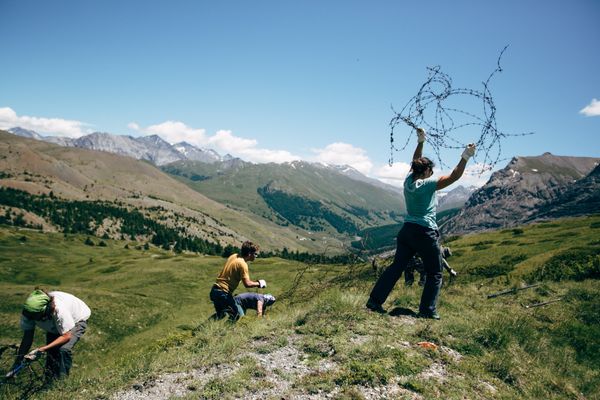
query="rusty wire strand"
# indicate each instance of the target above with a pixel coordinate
(445, 121)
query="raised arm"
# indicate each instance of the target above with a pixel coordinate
(458, 171)
(421, 139)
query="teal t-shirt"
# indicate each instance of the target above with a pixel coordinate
(420, 201)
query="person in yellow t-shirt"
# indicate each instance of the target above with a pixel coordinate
(234, 272)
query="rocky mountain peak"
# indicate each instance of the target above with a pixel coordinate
(194, 153)
(513, 194)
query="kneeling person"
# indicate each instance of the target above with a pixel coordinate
(255, 301)
(64, 318)
(234, 271)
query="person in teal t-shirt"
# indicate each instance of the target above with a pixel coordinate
(419, 234)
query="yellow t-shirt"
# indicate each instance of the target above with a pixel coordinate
(233, 272)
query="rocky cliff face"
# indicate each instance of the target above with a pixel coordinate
(581, 198)
(514, 194)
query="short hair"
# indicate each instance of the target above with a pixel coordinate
(421, 164)
(249, 248)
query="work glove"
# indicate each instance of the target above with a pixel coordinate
(32, 355)
(420, 135)
(453, 273)
(262, 283)
(468, 152)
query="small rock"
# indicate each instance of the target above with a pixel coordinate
(138, 387)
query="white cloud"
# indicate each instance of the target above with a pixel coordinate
(45, 126)
(266, 156)
(394, 174)
(232, 144)
(224, 142)
(344, 154)
(173, 132)
(592, 109)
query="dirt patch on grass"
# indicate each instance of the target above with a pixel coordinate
(280, 366)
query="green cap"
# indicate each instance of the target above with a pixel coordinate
(36, 302)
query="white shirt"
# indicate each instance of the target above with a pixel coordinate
(68, 310)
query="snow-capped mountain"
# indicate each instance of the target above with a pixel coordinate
(151, 148)
(194, 153)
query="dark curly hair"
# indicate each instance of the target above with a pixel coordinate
(420, 165)
(249, 248)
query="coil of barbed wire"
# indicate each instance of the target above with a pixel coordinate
(429, 109)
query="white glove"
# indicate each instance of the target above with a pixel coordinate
(420, 135)
(32, 355)
(262, 283)
(468, 152)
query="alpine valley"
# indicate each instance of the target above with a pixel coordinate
(181, 192)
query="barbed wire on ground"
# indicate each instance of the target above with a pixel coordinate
(26, 379)
(316, 283)
(429, 109)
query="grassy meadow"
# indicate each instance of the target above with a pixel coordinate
(150, 308)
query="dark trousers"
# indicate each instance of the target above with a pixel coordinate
(224, 304)
(414, 238)
(60, 359)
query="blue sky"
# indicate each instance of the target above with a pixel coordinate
(281, 80)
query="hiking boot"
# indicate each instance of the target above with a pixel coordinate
(371, 305)
(429, 315)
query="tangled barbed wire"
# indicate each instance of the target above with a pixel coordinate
(430, 109)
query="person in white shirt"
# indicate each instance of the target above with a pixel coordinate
(64, 319)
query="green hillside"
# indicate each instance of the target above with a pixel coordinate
(149, 325)
(312, 197)
(74, 174)
(381, 238)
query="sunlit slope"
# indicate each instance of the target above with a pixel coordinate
(79, 174)
(150, 310)
(311, 196)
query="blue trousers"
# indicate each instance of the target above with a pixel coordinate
(225, 304)
(414, 238)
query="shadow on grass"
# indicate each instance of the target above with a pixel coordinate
(401, 311)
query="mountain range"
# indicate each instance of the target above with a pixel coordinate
(226, 201)
(150, 148)
(78, 174)
(531, 188)
(580, 198)
(455, 198)
(314, 197)
(299, 205)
